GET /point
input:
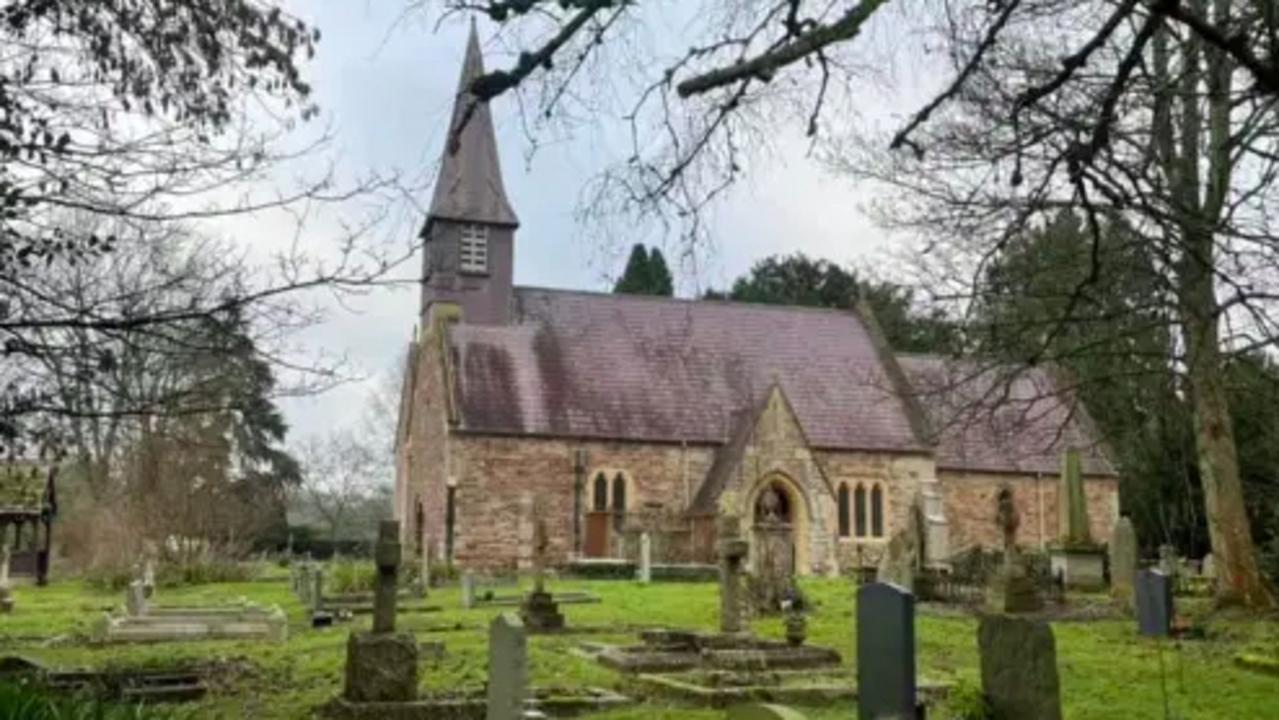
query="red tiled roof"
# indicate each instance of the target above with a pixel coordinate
(1001, 418)
(593, 365)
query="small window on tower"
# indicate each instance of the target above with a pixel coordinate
(473, 255)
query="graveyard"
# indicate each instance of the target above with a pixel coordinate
(1106, 668)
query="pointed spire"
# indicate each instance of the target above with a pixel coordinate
(469, 187)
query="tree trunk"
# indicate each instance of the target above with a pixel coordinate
(1239, 579)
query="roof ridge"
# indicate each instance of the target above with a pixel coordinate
(692, 301)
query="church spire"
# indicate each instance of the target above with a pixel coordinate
(469, 188)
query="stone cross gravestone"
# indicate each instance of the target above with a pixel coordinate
(539, 610)
(732, 558)
(645, 572)
(1019, 668)
(1168, 560)
(1011, 589)
(885, 652)
(1154, 603)
(6, 595)
(381, 666)
(1123, 559)
(387, 557)
(508, 669)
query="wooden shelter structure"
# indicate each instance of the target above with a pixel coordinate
(28, 506)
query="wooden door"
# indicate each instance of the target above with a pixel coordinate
(597, 529)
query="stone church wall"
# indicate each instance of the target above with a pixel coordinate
(504, 482)
(898, 474)
(970, 508)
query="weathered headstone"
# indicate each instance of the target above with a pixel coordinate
(468, 590)
(381, 666)
(645, 572)
(1208, 567)
(1123, 560)
(1154, 603)
(136, 599)
(885, 652)
(6, 594)
(508, 670)
(316, 593)
(1168, 560)
(148, 577)
(1019, 668)
(732, 557)
(763, 712)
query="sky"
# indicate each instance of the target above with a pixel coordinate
(385, 87)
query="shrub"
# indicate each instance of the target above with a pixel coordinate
(346, 575)
(965, 702)
(205, 570)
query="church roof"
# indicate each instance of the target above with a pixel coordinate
(1001, 418)
(469, 187)
(591, 365)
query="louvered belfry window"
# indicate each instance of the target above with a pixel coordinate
(473, 254)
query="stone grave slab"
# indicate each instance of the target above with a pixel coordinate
(763, 712)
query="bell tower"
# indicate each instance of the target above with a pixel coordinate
(468, 252)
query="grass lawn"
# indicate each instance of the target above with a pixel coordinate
(1106, 671)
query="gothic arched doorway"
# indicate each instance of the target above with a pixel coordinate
(778, 513)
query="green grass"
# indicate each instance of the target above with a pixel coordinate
(1106, 670)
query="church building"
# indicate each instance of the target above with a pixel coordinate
(605, 415)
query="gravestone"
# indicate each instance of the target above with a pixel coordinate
(508, 670)
(1208, 567)
(381, 666)
(763, 712)
(6, 594)
(1019, 668)
(1011, 589)
(539, 611)
(317, 588)
(1123, 560)
(885, 652)
(732, 558)
(1154, 603)
(645, 572)
(897, 564)
(1168, 560)
(136, 599)
(468, 590)
(148, 577)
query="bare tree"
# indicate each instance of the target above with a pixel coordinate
(341, 472)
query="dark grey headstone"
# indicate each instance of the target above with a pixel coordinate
(1154, 603)
(1019, 668)
(885, 652)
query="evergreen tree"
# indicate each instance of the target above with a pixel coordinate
(800, 280)
(634, 279)
(660, 281)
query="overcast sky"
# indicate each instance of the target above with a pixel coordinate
(387, 88)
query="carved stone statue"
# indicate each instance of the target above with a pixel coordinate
(770, 505)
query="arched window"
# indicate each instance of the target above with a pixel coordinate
(844, 525)
(619, 494)
(877, 512)
(600, 493)
(859, 510)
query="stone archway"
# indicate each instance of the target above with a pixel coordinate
(779, 515)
